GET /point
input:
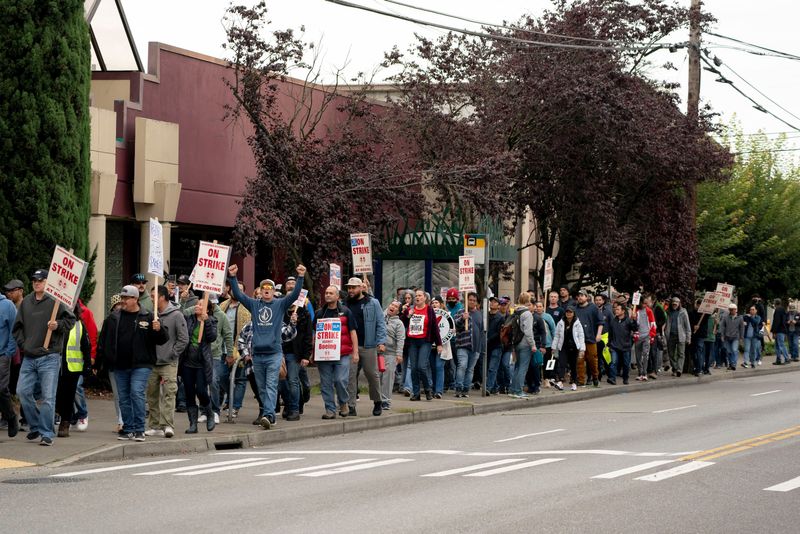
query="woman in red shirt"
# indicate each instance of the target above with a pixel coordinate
(421, 334)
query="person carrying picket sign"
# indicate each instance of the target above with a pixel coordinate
(570, 344)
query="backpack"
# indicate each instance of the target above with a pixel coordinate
(511, 332)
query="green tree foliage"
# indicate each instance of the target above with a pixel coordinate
(44, 133)
(748, 228)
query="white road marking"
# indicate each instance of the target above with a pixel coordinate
(688, 467)
(766, 393)
(789, 485)
(475, 467)
(676, 409)
(354, 451)
(601, 452)
(358, 467)
(118, 467)
(685, 453)
(514, 467)
(530, 435)
(314, 468)
(192, 467)
(366, 452)
(634, 469)
(237, 466)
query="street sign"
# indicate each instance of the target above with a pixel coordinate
(475, 245)
(361, 247)
(466, 273)
(211, 268)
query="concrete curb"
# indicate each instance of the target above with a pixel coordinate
(260, 438)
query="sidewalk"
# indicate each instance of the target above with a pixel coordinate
(99, 442)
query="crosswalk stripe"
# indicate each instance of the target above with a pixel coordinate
(789, 485)
(192, 467)
(675, 471)
(237, 466)
(118, 468)
(314, 468)
(475, 467)
(514, 467)
(358, 467)
(634, 469)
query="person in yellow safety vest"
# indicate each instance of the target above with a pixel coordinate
(77, 361)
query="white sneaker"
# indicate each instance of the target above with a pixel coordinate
(216, 418)
(573, 387)
(83, 424)
(169, 432)
(154, 432)
(202, 419)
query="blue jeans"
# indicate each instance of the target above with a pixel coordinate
(239, 385)
(793, 345)
(732, 348)
(780, 348)
(419, 362)
(752, 349)
(700, 362)
(333, 377)
(465, 366)
(495, 356)
(214, 386)
(523, 352)
(291, 386)
(438, 386)
(266, 368)
(617, 356)
(131, 386)
(44, 372)
(81, 410)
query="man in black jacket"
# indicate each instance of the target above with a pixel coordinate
(128, 345)
(297, 354)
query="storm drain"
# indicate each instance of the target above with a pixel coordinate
(47, 480)
(227, 445)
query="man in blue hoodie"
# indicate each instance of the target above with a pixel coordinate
(267, 315)
(8, 347)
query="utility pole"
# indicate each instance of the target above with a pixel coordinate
(693, 98)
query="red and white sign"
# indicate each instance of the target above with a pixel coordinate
(301, 300)
(65, 277)
(466, 273)
(211, 267)
(548, 275)
(725, 294)
(711, 301)
(335, 276)
(361, 247)
(328, 340)
(636, 298)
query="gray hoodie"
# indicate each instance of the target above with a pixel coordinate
(175, 324)
(395, 335)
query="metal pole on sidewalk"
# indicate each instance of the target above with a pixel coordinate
(487, 262)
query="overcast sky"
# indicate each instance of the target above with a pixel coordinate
(362, 37)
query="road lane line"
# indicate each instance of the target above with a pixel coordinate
(634, 469)
(744, 444)
(367, 452)
(118, 468)
(789, 485)
(514, 467)
(237, 466)
(530, 435)
(314, 468)
(766, 393)
(676, 409)
(191, 467)
(601, 452)
(475, 467)
(675, 471)
(359, 467)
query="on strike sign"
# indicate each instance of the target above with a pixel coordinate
(710, 302)
(328, 340)
(725, 295)
(211, 268)
(65, 277)
(466, 273)
(335, 275)
(361, 247)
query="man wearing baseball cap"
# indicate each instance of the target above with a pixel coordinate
(40, 365)
(139, 281)
(731, 327)
(371, 331)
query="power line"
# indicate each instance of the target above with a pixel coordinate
(513, 28)
(785, 54)
(499, 37)
(765, 151)
(750, 51)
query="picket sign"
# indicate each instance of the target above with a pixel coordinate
(328, 340)
(548, 275)
(155, 260)
(726, 295)
(361, 248)
(637, 297)
(466, 280)
(210, 272)
(64, 280)
(335, 276)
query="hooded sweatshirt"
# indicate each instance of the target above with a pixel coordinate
(174, 322)
(30, 327)
(8, 314)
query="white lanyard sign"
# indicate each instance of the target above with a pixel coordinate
(328, 340)
(416, 324)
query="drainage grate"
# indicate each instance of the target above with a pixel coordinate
(47, 480)
(227, 445)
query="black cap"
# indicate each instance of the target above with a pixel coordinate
(138, 277)
(291, 278)
(571, 308)
(39, 274)
(184, 279)
(13, 284)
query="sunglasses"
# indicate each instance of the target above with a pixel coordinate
(267, 287)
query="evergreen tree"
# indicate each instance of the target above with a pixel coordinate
(45, 174)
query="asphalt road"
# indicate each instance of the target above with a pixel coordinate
(718, 458)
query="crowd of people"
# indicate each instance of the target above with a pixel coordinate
(170, 350)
